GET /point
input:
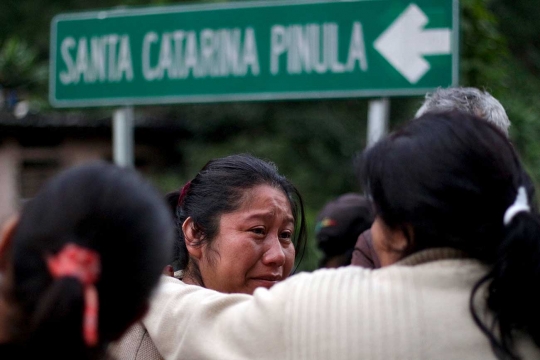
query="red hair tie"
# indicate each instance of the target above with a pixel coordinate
(84, 265)
(183, 193)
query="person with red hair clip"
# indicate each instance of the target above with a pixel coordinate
(78, 265)
(239, 226)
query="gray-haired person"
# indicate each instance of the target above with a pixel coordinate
(467, 99)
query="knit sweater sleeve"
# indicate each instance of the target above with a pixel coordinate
(190, 322)
(400, 312)
(327, 315)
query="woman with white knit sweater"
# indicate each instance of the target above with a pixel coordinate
(462, 241)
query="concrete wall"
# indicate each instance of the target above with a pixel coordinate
(9, 195)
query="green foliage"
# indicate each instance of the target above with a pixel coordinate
(482, 45)
(521, 102)
(500, 54)
(20, 67)
(518, 21)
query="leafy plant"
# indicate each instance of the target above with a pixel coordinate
(20, 66)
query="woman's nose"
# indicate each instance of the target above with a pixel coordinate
(274, 255)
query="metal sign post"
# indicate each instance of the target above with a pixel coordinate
(378, 115)
(123, 136)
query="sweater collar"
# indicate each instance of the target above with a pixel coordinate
(428, 255)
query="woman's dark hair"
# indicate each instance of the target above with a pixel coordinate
(218, 189)
(446, 180)
(111, 211)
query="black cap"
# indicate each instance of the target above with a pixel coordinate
(340, 223)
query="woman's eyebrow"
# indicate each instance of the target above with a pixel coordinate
(267, 214)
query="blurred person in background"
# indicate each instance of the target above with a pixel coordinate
(364, 254)
(339, 224)
(465, 99)
(239, 224)
(459, 240)
(80, 262)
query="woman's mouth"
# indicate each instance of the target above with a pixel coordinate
(266, 281)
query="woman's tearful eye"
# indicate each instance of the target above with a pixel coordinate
(259, 231)
(286, 235)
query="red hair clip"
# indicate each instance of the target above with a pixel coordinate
(183, 193)
(84, 265)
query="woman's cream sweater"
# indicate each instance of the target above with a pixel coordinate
(416, 309)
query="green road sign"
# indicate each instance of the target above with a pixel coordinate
(253, 51)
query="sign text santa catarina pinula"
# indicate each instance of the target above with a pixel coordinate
(253, 51)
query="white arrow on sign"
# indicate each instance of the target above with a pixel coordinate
(406, 41)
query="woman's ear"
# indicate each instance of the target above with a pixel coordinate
(192, 236)
(6, 235)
